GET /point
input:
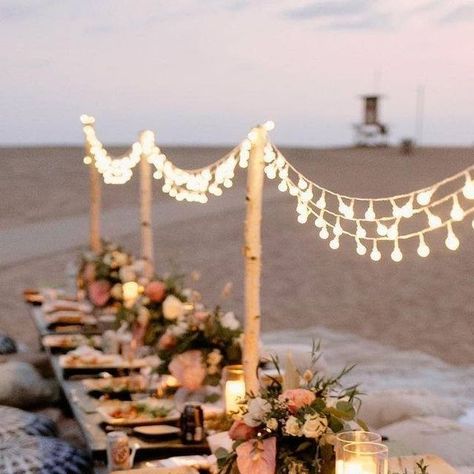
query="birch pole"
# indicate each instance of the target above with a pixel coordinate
(95, 199)
(253, 256)
(146, 141)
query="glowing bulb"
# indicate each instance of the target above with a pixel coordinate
(472, 223)
(457, 213)
(361, 250)
(252, 136)
(452, 242)
(334, 244)
(321, 202)
(369, 213)
(87, 160)
(423, 249)
(424, 197)
(381, 229)
(302, 184)
(468, 189)
(375, 255)
(337, 228)
(396, 211)
(283, 187)
(303, 218)
(392, 232)
(407, 209)
(324, 234)
(269, 125)
(433, 221)
(319, 221)
(360, 232)
(87, 119)
(397, 255)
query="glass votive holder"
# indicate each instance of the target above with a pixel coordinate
(233, 388)
(348, 437)
(365, 458)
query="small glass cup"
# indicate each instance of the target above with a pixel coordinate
(365, 458)
(348, 437)
(233, 388)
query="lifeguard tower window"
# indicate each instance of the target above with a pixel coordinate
(371, 132)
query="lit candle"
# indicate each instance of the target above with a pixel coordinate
(365, 458)
(234, 395)
(234, 388)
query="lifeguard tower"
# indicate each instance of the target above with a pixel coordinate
(371, 132)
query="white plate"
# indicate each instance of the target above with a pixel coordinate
(157, 430)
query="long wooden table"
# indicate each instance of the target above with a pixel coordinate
(83, 408)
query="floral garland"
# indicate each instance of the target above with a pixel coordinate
(196, 347)
(291, 430)
(101, 275)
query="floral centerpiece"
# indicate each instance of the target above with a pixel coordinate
(196, 347)
(160, 303)
(290, 430)
(101, 275)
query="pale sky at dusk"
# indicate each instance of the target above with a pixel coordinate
(205, 71)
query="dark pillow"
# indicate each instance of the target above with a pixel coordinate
(41, 455)
(7, 345)
(17, 422)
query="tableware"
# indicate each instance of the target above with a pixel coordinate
(157, 430)
(69, 317)
(131, 384)
(348, 437)
(119, 454)
(69, 341)
(147, 412)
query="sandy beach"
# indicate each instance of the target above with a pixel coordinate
(423, 304)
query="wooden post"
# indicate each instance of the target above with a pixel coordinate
(95, 203)
(252, 256)
(147, 141)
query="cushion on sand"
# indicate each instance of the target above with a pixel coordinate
(15, 422)
(21, 386)
(301, 354)
(448, 439)
(389, 406)
(7, 344)
(41, 455)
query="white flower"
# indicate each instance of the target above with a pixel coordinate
(292, 426)
(119, 258)
(179, 329)
(214, 357)
(229, 321)
(127, 273)
(173, 308)
(315, 426)
(116, 291)
(256, 410)
(272, 424)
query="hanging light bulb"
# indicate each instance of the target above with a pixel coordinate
(424, 197)
(396, 255)
(396, 211)
(457, 212)
(468, 189)
(452, 242)
(321, 202)
(293, 189)
(319, 221)
(349, 210)
(361, 250)
(433, 221)
(334, 244)
(423, 249)
(283, 187)
(302, 218)
(407, 209)
(369, 213)
(375, 255)
(360, 232)
(302, 184)
(337, 227)
(392, 232)
(342, 206)
(381, 229)
(324, 234)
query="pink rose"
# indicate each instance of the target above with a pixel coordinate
(166, 341)
(99, 292)
(297, 398)
(188, 369)
(89, 273)
(241, 431)
(156, 291)
(257, 456)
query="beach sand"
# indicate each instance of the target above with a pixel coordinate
(422, 304)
